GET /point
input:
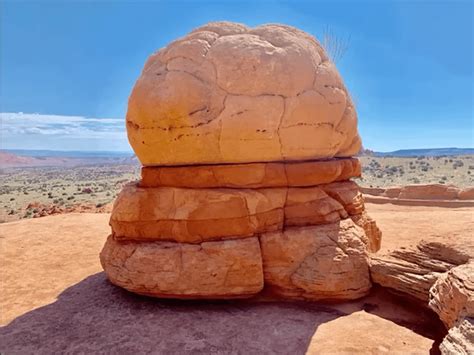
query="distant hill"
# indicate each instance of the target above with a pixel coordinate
(12, 158)
(69, 153)
(44, 158)
(432, 152)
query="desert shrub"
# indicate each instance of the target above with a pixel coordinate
(99, 205)
(335, 46)
(12, 199)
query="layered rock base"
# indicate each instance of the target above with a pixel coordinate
(298, 230)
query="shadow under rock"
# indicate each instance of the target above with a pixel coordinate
(94, 316)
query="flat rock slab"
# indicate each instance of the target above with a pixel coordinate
(252, 175)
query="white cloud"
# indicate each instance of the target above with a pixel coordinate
(37, 131)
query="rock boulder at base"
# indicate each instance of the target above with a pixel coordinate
(227, 93)
(326, 262)
(222, 269)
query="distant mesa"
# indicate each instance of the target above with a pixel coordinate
(430, 152)
(51, 158)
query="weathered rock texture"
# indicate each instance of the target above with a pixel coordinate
(317, 262)
(452, 298)
(226, 93)
(253, 175)
(441, 274)
(221, 269)
(414, 270)
(460, 338)
(245, 136)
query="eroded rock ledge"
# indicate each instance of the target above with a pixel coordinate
(252, 175)
(441, 275)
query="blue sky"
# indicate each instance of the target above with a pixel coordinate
(409, 65)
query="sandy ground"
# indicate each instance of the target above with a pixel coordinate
(407, 225)
(56, 299)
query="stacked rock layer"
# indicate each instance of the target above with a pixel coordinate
(245, 136)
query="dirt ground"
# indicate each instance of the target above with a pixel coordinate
(55, 299)
(407, 225)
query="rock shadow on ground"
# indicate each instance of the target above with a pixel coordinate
(94, 316)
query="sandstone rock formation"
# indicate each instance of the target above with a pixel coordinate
(452, 298)
(271, 91)
(414, 270)
(441, 275)
(245, 136)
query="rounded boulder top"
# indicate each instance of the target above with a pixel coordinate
(227, 93)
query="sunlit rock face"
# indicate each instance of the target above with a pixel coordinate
(246, 137)
(227, 93)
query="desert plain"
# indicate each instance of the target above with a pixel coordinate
(64, 186)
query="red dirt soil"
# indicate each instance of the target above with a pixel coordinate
(55, 299)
